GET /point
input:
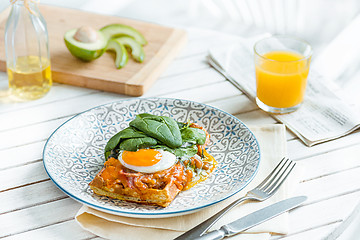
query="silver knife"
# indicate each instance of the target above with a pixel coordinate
(250, 220)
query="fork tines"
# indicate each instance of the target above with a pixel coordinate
(277, 176)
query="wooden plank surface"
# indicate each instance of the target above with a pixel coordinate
(134, 79)
(330, 170)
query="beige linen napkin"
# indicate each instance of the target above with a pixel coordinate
(272, 143)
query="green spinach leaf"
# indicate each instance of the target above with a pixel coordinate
(164, 129)
(193, 135)
(157, 132)
(183, 125)
(128, 133)
(164, 147)
(186, 152)
(113, 153)
(133, 144)
(181, 152)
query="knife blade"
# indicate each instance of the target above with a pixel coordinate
(252, 219)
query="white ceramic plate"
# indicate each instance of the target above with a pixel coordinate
(74, 154)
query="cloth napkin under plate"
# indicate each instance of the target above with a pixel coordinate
(272, 143)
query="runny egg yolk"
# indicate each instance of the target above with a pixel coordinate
(142, 157)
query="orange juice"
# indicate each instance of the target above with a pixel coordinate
(281, 78)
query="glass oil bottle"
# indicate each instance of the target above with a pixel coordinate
(27, 51)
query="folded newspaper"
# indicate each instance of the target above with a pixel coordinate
(323, 115)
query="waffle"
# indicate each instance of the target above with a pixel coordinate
(117, 182)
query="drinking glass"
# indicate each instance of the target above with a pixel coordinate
(281, 67)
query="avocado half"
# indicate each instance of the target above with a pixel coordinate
(85, 51)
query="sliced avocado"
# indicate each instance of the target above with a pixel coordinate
(117, 30)
(86, 51)
(120, 50)
(137, 51)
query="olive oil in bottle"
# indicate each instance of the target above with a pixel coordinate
(30, 78)
(27, 51)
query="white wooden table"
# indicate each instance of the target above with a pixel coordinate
(32, 207)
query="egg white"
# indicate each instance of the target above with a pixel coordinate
(167, 160)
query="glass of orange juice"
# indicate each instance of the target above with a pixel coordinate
(281, 67)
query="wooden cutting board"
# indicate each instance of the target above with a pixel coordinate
(134, 79)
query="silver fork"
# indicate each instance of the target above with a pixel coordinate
(263, 191)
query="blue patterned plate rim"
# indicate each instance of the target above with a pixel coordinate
(122, 212)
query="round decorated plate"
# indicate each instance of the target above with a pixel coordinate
(74, 154)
